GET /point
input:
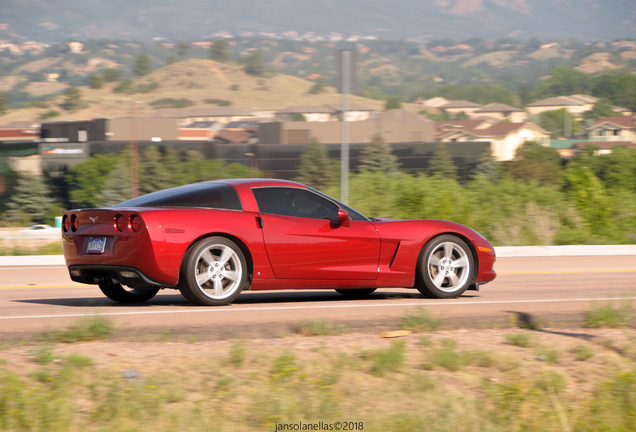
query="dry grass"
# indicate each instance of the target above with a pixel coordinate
(473, 380)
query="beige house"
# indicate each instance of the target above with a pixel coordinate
(505, 138)
(318, 113)
(621, 128)
(575, 104)
(355, 112)
(500, 112)
(455, 107)
(188, 116)
(403, 130)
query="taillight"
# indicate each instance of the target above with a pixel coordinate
(121, 222)
(136, 223)
(74, 223)
(66, 223)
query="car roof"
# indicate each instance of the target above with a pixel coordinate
(259, 182)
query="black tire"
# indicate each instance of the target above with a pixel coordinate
(356, 292)
(214, 272)
(446, 267)
(116, 292)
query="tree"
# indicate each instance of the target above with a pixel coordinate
(72, 99)
(143, 65)
(487, 166)
(442, 164)
(254, 64)
(170, 59)
(392, 103)
(182, 48)
(602, 108)
(219, 51)
(154, 175)
(316, 169)
(4, 101)
(534, 162)
(86, 179)
(298, 117)
(97, 81)
(111, 75)
(318, 87)
(31, 200)
(556, 120)
(377, 156)
(117, 186)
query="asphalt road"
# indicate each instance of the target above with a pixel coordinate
(552, 291)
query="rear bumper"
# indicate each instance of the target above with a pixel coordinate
(96, 274)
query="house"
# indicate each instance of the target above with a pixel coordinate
(200, 131)
(393, 130)
(601, 147)
(456, 106)
(620, 128)
(435, 102)
(228, 136)
(575, 104)
(505, 138)
(355, 112)
(20, 131)
(186, 116)
(500, 111)
(76, 47)
(324, 113)
(317, 113)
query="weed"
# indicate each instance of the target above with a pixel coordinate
(389, 359)
(519, 339)
(603, 316)
(4, 362)
(93, 328)
(425, 341)
(419, 320)
(550, 381)
(284, 367)
(480, 358)
(449, 343)
(582, 352)
(448, 358)
(237, 354)
(420, 382)
(549, 355)
(42, 355)
(319, 328)
(78, 360)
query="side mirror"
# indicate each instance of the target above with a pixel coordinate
(343, 218)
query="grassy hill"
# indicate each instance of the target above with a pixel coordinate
(196, 80)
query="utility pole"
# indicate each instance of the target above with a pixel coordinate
(134, 152)
(344, 151)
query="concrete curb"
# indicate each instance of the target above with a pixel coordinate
(502, 252)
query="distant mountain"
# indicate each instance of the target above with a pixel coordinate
(59, 20)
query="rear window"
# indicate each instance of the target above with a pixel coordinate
(206, 195)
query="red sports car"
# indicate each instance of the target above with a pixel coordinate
(214, 239)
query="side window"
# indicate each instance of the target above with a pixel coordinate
(294, 202)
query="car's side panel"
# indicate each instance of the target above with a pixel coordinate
(301, 284)
(305, 248)
(411, 236)
(182, 227)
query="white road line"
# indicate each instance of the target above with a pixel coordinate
(244, 309)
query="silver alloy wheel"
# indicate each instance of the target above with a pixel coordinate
(448, 267)
(218, 271)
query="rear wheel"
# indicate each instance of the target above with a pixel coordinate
(214, 272)
(120, 294)
(355, 293)
(446, 267)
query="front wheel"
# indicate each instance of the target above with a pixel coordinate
(446, 267)
(214, 272)
(118, 293)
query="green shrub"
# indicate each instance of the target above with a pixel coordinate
(609, 316)
(419, 320)
(388, 360)
(519, 339)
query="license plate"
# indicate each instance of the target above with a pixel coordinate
(96, 245)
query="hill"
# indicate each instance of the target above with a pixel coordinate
(58, 20)
(196, 80)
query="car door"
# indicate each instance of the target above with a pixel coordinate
(304, 240)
